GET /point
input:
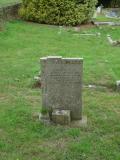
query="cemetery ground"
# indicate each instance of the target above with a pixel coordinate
(102, 18)
(22, 136)
(5, 2)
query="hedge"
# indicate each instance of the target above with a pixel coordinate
(58, 12)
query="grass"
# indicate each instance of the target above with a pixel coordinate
(5, 2)
(22, 137)
(102, 18)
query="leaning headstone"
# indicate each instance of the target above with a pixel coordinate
(99, 9)
(61, 80)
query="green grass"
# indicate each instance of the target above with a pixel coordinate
(102, 18)
(5, 2)
(22, 137)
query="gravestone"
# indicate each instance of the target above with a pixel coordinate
(1, 18)
(118, 85)
(61, 80)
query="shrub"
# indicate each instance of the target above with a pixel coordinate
(58, 12)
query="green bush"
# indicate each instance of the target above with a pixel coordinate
(58, 12)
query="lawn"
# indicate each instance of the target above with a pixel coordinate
(22, 137)
(102, 18)
(5, 2)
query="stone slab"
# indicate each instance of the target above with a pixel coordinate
(61, 117)
(107, 23)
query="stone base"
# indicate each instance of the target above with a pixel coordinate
(44, 119)
(73, 124)
(79, 123)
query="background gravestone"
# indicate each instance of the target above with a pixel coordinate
(1, 18)
(61, 80)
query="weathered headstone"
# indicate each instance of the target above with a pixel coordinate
(118, 85)
(61, 80)
(1, 18)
